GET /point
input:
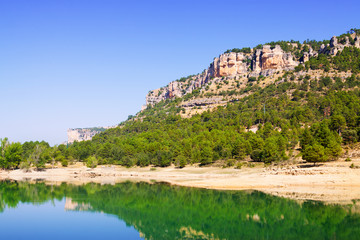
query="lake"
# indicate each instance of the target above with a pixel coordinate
(138, 210)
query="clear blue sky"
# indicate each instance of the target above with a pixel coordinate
(86, 63)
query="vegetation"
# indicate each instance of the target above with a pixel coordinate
(238, 50)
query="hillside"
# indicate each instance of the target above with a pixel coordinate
(281, 101)
(231, 74)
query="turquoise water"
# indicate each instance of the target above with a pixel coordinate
(160, 211)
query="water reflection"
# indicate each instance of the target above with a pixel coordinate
(161, 211)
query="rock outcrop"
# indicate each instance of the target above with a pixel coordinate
(310, 53)
(335, 46)
(265, 61)
(230, 64)
(84, 134)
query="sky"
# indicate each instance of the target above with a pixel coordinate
(88, 63)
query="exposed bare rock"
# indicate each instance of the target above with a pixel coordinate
(204, 102)
(256, 67)
(178, 89)
(230, 64)
(306, 57)
(333, 42)
(357, 41)
(83, 134)
(174, 90)
(336, 47)
(275, 59)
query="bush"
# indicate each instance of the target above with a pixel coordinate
(91, 162)
(64, 162)
(239, 165)
(252, 79)
(181, 161)
(230, 163)
(25, 165)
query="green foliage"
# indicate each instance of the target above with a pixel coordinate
(238, 50)
(348, 59)
(91, 162)
(314, 153)
(64, 162)
(10, 154)
(320, 144)
(252, 79)
(181, 161)
(319, 62)
(315, 45)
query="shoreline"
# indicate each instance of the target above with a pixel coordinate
(331, 182)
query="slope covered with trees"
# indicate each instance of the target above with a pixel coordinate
(314, 108)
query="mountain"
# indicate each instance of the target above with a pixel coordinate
(267, 61)
(281, 101)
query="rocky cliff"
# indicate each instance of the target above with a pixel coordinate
(265, 61)
(336, 46)
(83, 134)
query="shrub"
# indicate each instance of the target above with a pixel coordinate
(91, 162)
(25, 165)
(64, 162)
(181, 161)
(230, 162)
(239, 165)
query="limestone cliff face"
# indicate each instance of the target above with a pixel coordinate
(230, 64)
(267, 61)
(264, 61)
(177, 89)
(84, 134)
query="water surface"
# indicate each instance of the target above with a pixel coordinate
(159, 211)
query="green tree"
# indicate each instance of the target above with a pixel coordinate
(314, 153)
(181, 161)
(4, 143)
(206, 155)
(91, 162)
(337, 123)
(10, 154)
(13, 155)
(36, 157)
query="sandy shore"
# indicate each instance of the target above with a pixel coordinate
(330, 182)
